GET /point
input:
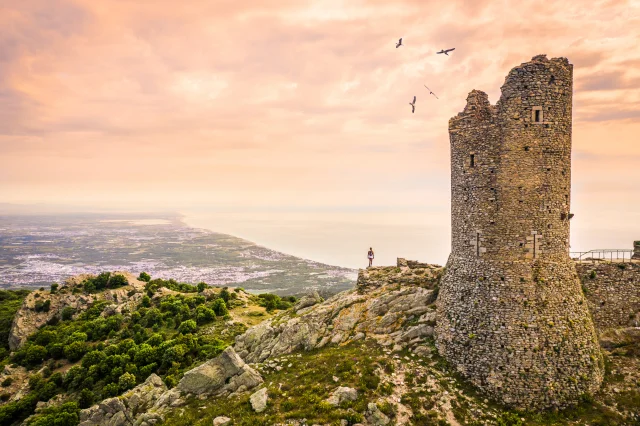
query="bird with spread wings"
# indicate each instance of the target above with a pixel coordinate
(430, 92)
(446, 51)
(413, 105)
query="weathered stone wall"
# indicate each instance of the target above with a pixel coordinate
(511, 314)
(636, 249)
(613, 293)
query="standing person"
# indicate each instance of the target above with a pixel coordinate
(370, 256)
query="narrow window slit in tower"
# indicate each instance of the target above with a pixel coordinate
(537, 116)
(473, 162)
(477, 244)
(552, 80)
(546, 126)
(526, 148)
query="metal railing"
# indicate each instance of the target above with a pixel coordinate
(598, 255)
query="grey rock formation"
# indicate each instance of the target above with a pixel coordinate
(122, 410)
(225, 374)
(379, 314)
(221, 421)
(259, 400)
(342, 394)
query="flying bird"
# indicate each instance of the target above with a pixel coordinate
(399, 43)
(445, 51)
(430, 92)
(413, 105)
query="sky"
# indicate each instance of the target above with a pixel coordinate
(291, 118)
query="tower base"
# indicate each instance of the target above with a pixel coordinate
(520, 331)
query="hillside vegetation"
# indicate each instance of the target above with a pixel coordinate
(81, 357)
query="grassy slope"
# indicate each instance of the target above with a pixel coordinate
(429, 390)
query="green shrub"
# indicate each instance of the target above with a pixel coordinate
(54, 288)
(509, 419)
(220, 307)
(66, 414)
(75, 351)
(144, 277)
(187, 327)
(118, 280)
(170, 381)
(146, 301)
(387, 408)
(86, 398)
(35, 354)
(43, 306)
(110, 390)
(67, 313)
(126, 381)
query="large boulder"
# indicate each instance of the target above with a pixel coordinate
(310, 299)
(259, 400)
(225, 374)
(342, 394)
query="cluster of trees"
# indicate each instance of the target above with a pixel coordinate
(271, 301)
(153, 285)
(104, 281)
(116, 352)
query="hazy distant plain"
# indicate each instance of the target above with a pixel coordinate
(38, 250)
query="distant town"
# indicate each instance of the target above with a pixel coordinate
(39, 250)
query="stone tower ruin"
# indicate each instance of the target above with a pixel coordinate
(512, 317)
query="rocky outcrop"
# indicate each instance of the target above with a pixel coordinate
(388, 312)
(27, 320)
(407, 272)
(223, 375)
(123, 410)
